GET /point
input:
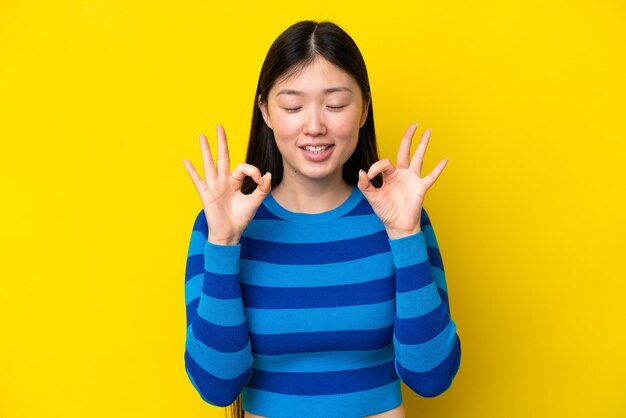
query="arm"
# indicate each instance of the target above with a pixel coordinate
(218, 359)
(427, 347)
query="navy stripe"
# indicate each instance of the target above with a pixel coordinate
(414, 277)
(200, 223)
(191, 309)
(314, 253)
(422, 328)
(195, 266)
(306, 342)
(264, 214)
(435, 381)
(362, 208)
(424, 219)
(221, 286)
(220, 392)
(374, 291)
(324, 383)
(434, 256)
(227, 339)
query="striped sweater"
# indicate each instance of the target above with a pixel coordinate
(318, 315)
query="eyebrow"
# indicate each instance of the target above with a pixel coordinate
(326, 91)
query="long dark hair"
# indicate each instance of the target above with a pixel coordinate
(294, 49)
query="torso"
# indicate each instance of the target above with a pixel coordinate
(394, 413)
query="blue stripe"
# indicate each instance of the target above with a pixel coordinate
(196, 243)
(323, 361)
(306, 342)
(309, 253)
(361, 317)
(264, 213)
(335, 230)
(193, 287)
(267, 297)
(418, 302)
(216, 391)
(413, 277)
(221, 286)
(195, 266)
(356, 404)
(222, 259)
(224, 312)
(362, 208)
(220, 338)
(427, 356)
(324, 383)
(293, 275)
(429, 235)
(434, 256)
(191, 309)
(436, 381)
(423, 328)
(439, 277)
(217, 363)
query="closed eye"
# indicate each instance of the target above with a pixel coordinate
(336, 108)
(291, 109)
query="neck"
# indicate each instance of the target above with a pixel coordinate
(305, 195)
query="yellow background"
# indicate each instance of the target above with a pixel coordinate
(101, 100)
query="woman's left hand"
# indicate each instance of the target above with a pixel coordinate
(398, 203)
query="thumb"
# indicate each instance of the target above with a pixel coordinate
(365, 186)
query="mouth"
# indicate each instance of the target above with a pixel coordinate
(316, 149)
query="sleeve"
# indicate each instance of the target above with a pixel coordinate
(426, 344)
(218, 358)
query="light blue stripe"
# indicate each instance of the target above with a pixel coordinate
(361, 317)
(426, 356)
(409, 250)
(339, 229)
(219, 364)
(222, 259)
(357, 271)
(193, 288)
(417, 302)
(356, 404)
(224, 312)
(429, 234)
(439, 277)
(323, 361)
(196, 243)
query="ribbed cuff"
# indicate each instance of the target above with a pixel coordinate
(409, 250)
(222, 259)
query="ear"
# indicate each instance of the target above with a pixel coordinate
(366, 106)
(265, 112)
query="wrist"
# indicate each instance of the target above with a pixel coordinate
(398, 233)
(226, 241)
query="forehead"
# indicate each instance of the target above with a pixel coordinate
(317, 76)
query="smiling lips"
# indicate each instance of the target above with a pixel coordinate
(317, 152)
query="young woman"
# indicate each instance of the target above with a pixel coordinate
(314, 283)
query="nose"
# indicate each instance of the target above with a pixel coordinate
(314, 124)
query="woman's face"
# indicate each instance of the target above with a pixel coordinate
(315, 116)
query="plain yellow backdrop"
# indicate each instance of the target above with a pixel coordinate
(101, 100)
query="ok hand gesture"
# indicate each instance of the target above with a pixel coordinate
(398, 203)
(227, 209)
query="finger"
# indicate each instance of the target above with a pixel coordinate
(263, 187)
(195, 177)
(365, 186)
(434, 175)
(207, 159)
(418, 158)
(404, 151)
(223, 159)
(382, 166)
(243, 170)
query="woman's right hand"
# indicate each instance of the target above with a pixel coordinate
(228, 211)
